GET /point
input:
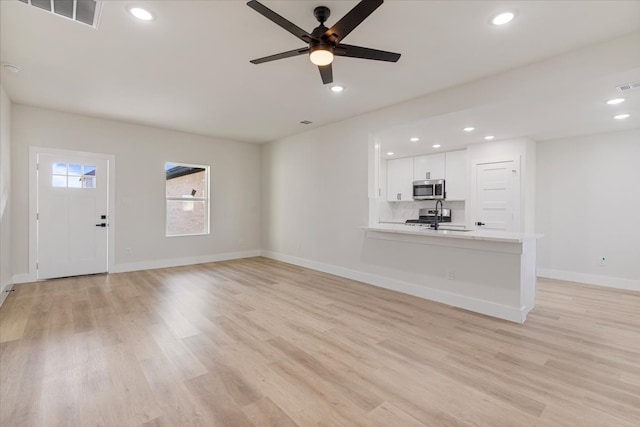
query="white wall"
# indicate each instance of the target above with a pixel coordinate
(316, 200)
(5, 194)
(588, 207)
(140, 154)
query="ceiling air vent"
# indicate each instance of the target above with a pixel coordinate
(83, 11)
(628, 86)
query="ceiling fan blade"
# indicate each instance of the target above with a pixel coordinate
(284, 23)
(351, 20)
(282, 55)
(365, 53)
(326, 72)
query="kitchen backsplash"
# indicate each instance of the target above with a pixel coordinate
(402, 211)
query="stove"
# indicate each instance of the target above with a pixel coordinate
(428, 217)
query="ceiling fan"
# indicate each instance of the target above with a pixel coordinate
(325, 42)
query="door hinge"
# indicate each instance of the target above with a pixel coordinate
(37, 166)
(37, 217)
(37, 265)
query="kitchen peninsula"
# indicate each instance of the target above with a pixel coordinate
(489, 272)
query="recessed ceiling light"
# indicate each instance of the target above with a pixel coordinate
(436, 145)
(414, 139)
(503, 18)
(140, 13)
(337, 88)
(390, 153)
(621, 116)
(615, 101)
(11, 67)
(469, 129)
(489, 137)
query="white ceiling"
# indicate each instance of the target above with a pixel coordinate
(189, 69)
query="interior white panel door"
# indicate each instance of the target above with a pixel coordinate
(496, 192)
(72, 205)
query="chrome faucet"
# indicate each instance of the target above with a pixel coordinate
(436, 225)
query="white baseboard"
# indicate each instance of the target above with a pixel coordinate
(179, 262)
(23, 278)
(163, 263)
(6, 287)
(513, 314)
(590, 279)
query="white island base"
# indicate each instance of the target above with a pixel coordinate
(493, 273)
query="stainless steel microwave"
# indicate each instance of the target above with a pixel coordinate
(429, 189)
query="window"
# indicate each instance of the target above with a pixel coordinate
(187, 199)
(69, 175)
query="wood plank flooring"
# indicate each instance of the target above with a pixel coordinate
(257, 342)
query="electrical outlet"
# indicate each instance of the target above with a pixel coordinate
(603, 261)
(451, 275)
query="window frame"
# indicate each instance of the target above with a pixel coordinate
(206, 199)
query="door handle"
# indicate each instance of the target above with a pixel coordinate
(480, 223)
(104, 224)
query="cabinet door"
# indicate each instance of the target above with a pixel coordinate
(400, 179)
(429, 167)
(456, 175)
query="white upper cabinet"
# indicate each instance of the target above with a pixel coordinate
(429, 167)
(456, 175)
(400, 180)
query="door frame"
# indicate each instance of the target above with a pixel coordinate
(33, 202)
(471, 211)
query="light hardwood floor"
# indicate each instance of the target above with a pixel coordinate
(257, 342)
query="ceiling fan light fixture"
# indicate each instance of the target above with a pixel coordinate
(321, 55)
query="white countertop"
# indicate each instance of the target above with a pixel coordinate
(488, 235)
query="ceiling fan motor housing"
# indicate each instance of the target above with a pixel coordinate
(322, 13)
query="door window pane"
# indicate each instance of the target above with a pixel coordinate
(74, 182)
(75, 170)
(60, 168)
(59, 180)
(89, 182)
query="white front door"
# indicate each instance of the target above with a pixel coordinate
(72, 209)
(497, 192)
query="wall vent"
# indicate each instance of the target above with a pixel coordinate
(83, 11)
(628, 86)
